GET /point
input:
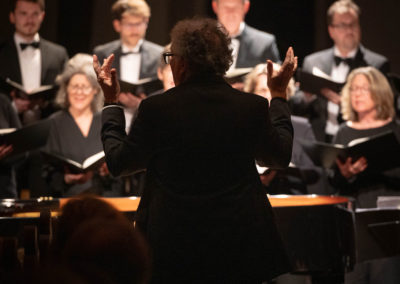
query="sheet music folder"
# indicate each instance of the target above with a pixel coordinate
(45, 91)
(146, 86)
(26, 139)
(313, 83)
(382, 151)
(377, 233)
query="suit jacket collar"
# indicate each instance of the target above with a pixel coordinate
(359, 60)
(117, 57)
(144, 57)
(13, 65)
(244, 45)
(44, 49)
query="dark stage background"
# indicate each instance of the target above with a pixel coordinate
(80, 25)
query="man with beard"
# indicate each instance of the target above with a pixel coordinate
(29, 59)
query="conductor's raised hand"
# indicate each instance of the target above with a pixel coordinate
(278, 80)
(107, 78)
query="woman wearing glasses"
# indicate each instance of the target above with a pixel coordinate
(75, 132)
(367, 105)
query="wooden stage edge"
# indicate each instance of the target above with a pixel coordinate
(126, 204)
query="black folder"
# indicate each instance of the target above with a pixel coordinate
(313, 84)
(45, 91)
(25, 139)
(89, 164)
(146, 86)
(382, 151)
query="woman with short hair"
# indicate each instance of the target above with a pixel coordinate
(75, 132)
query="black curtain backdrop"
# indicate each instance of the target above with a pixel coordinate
(81, 25)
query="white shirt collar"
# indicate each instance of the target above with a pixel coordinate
(136, 49)
(19, 39)
(241, 28)
(351, 54)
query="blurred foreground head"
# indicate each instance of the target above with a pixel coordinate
(98, 243)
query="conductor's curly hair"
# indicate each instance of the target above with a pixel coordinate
(204, 44)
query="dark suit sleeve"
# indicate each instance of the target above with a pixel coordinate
(276, 140)
(126, 154)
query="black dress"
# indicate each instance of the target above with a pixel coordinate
(8, 119)
(66, 139)
(367, 186)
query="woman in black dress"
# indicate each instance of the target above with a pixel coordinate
(75, 132)
(367, 105)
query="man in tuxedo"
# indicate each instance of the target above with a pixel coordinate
(249, 45)
(32, 61)
(346, 54)
(203, 208)
(135, 57)
(29, 59)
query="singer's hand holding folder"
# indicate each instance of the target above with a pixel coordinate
(382, 151)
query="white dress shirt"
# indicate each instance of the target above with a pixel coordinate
(338, 74)
(130, 63)
(235, 44)
(30, 62)
(130, 72)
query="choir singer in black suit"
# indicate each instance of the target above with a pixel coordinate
(29, 59)
(249, 45)
(203, 209)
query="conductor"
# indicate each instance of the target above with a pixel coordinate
(203, 209)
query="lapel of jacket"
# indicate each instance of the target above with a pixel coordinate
(117, 57)
(13, 62)
(327, 64)
(243, 47)
(359, 60)
(145, 57)
(45, 59)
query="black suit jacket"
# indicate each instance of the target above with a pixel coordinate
(256, 47)
(150, 55)
(203, 208)
(324, 60)
(54, 57)
(8, 119)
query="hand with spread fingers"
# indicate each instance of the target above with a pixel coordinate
(107, 78)
(279, 80)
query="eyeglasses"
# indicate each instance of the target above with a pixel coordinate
(134, 25)
(83, 89)
(343, 26)
(362, 90)
(167, 57)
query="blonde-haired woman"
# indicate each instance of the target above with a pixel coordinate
(312, 179)
(75, 131)
(368, 106)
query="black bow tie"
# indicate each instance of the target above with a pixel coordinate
(348, 61)
(129, 52)
(34, 44)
